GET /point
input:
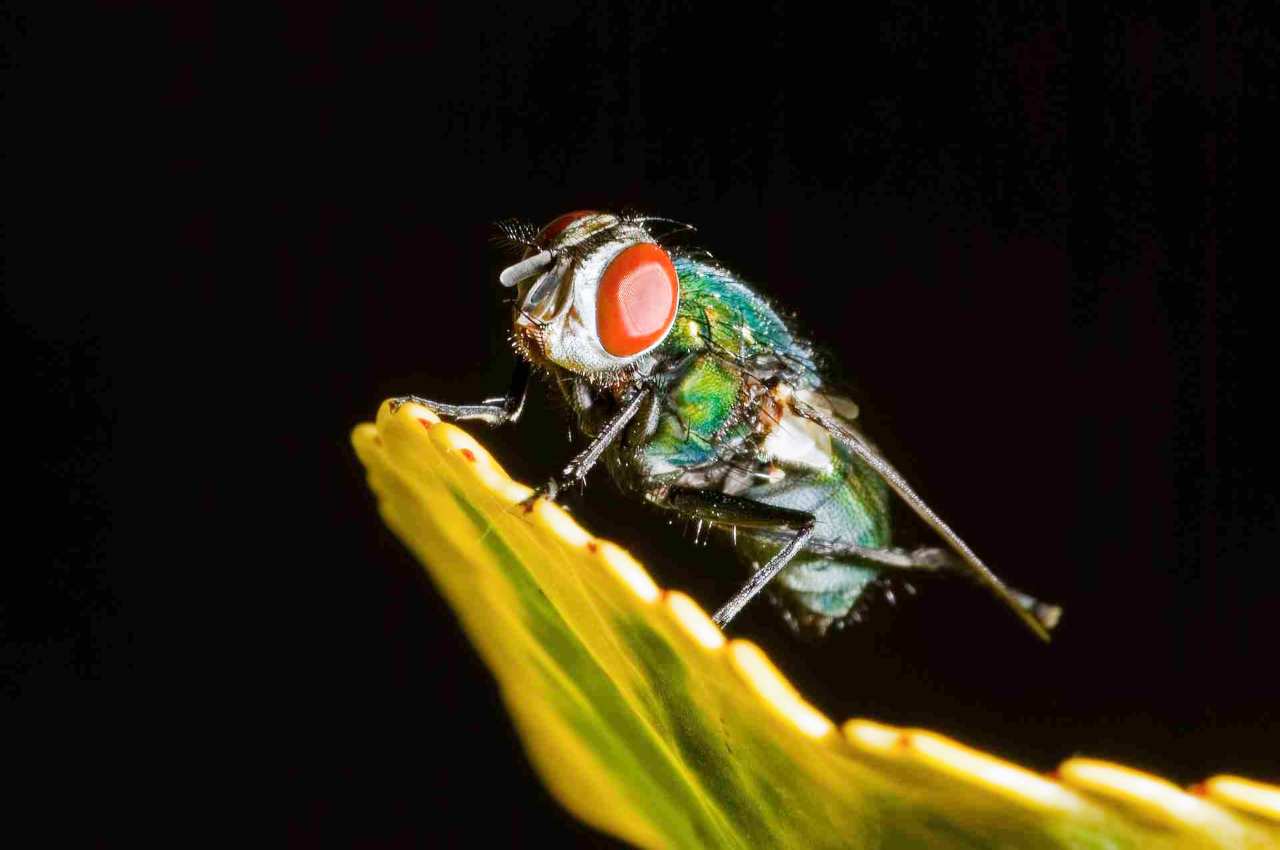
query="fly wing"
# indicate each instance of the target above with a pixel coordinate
(848, 436)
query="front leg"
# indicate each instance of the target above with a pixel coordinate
(491, 411)
(577, 469)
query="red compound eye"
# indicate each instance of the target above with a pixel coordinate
(636, 302)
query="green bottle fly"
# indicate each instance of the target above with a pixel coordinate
(701, 400)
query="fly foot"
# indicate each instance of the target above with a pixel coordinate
(396, 402)
(547, 491)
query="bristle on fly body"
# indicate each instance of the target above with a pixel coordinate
(517, 233)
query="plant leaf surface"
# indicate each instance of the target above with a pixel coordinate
(646, 723)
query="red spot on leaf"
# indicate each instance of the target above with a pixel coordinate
(426, 423)
(593, 547)
(468, 454)
(1199, 789)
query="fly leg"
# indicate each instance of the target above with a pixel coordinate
(491, 411)
(933, 559)
(968, 560)
(577, 469)
(735, 510)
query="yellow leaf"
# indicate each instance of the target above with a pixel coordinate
(647, 724)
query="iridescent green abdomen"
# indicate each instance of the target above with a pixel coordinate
(851, 504)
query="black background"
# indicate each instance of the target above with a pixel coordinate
(1021, 238)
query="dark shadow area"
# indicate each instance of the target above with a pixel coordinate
(1021, 241)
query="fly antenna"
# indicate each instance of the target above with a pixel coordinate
(512, 275)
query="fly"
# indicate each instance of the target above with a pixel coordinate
(700, 399)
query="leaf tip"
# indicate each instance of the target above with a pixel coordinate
(1138, 790)
(629, 570)
(991, 773)
(693, 620)
(750, 662)
(1246, 795)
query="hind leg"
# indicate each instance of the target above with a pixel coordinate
(932, 559)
